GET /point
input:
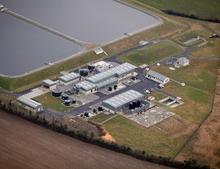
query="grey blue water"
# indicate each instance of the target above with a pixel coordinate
(24, 47)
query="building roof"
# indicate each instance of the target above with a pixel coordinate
(183, 60)
(29, 102)
(69, 77)
(117, 70)
(98, 50)
(157, 75)
(124, 98)
(107, 82)
(85, 85)
(49, 82)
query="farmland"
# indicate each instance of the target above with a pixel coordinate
(204, 9)
(40, 148)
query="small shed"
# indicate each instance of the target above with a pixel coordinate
(98, 50)
(50, 84)
(181, 62)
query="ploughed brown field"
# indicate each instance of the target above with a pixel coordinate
(24, 145)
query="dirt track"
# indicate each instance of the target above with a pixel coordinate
(24, 145)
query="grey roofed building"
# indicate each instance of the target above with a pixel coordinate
(48, 82)
(85, 85)
(115, 71)
(107, 82)
(30, 103)
(69, 77)
(182, 61)
(157, 77)
(118, 101)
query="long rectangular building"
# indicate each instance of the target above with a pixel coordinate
(117, 102)
(118, 71)
(105, 79)
(157, 77)
(69, 78)
(30, 104)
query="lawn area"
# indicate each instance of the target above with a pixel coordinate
(153, 53)
(200, 79)
(52, 102)
(151, 140)
(200, 74)
(204, 9)
(101, 117)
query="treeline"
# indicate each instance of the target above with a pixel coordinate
(89, 138)
(192, 16)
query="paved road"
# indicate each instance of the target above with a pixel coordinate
(140, 86)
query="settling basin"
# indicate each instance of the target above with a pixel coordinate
(25, 47)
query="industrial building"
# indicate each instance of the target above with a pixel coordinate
(30, 104)
(102, 66)
(50, 84)
(118, 71)
(69, 78)
(119, 102)
(107, 78)
(86, 87)
(157, 77)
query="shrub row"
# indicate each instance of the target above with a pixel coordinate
(171, 12)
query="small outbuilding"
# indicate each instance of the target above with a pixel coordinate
(157, 77)
(50, 84)
(181, 62)
(98, 50)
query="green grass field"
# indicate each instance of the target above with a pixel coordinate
(200, 79)
(101, 117)
(153, 53)
(151, 140)
(204, 9)
(52, 102)
(200, 74)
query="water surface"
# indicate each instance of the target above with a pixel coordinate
(24, 47)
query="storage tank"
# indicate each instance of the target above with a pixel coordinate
(56, 93)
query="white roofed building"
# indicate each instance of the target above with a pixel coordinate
(50, 84)
(181, 62)
(107, 78)
(157, 77)
(69, 78)
(117, 102)
(30, 104)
